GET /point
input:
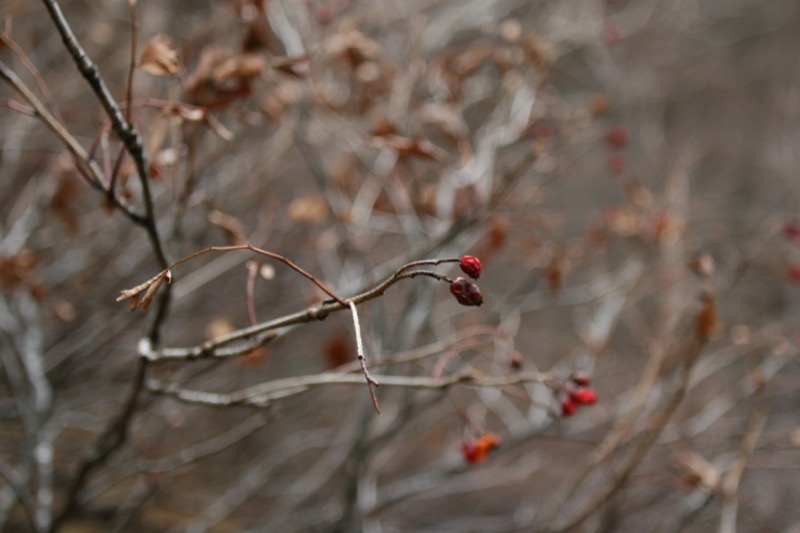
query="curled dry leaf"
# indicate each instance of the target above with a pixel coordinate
(221, 77)
(159, 59)
(142, 295)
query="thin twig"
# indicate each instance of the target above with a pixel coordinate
(730, 484)
(210, 349)
(126, 131)
(262, 394)
(166, 273)
(252, 272)
(691, 350)
(87, 167)
(33, 71)
(371, 382)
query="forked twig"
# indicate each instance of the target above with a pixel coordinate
(211, 348)
(371, 382)
(126, 131)
(142, 294)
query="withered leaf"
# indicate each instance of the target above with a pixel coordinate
(159, 59)
(142, 295)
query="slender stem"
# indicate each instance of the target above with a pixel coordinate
(124, 129)
(310, 314)
(261, 395)
(87, 167)
(371, 382)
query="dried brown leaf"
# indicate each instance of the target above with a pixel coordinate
(159, 59)
(144, 301)
(142, 295)
(221, 78)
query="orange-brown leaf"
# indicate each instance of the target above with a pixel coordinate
(159, 59)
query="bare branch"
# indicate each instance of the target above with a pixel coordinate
(263, 394)
(127, 132)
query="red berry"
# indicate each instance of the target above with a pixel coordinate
(471, 452)
(791, 229)
(568, 407)
(465, 292)
(476, 451)
(471, 266)
(583, 396)
(581, 378)
(618, 136)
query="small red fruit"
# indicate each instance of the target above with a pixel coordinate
(583, 396)
(791, 229)
(465, 292)
(471, 266)
(476, 451)
(618, 136)
(568, 407)
(471, 452)
(581, 378)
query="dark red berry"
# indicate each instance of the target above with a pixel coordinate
(583, 396)
(568, 407)
(470, 451)
(471, 266)
(791, 229)
(465, 292)
(581, 378)
(618, 136)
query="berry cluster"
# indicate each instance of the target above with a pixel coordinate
(579, 395)
(476, 451)
(466, 292)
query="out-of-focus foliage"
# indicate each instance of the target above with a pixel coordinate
(625, 171)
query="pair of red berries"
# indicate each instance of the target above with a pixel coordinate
(580, 395)
(466, 292)
(476, 451)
